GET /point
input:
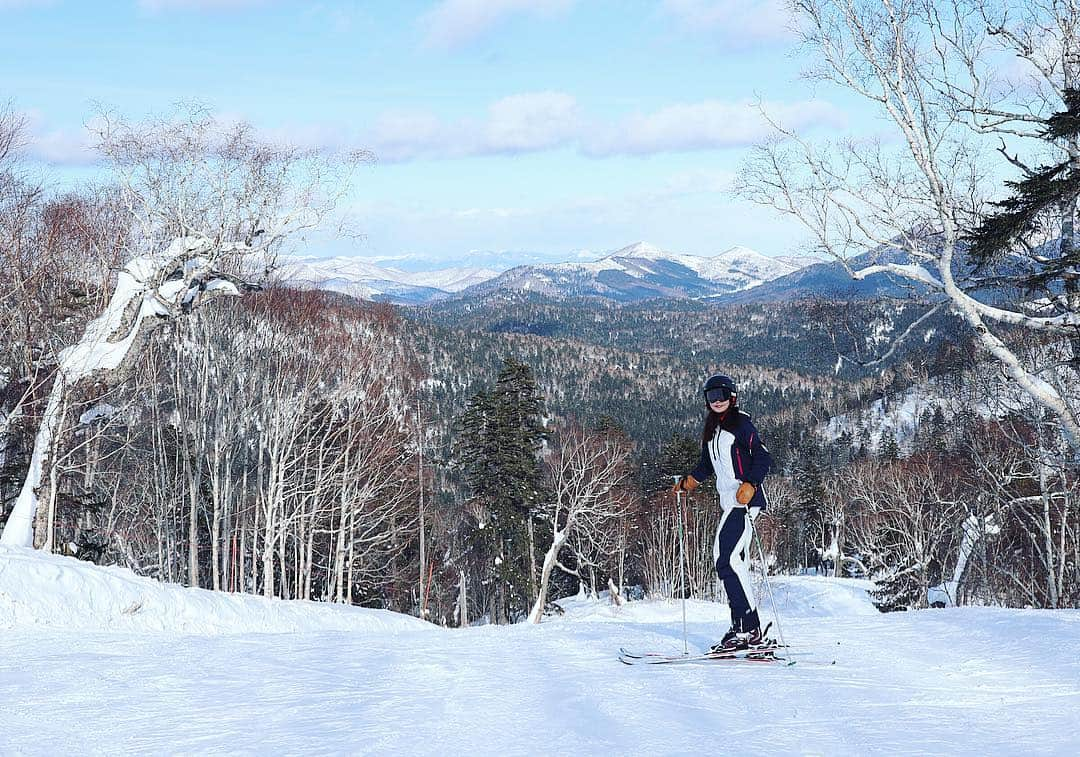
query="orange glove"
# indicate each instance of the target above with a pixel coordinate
(745, 493)
(685, 484)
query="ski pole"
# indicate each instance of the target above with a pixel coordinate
(682, 563)
(768, 584)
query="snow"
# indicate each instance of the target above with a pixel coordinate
(361, 278)
(897, 417)
(100, 410)
(737, 267)
(189, 671)
(104, 345)
(42, 591)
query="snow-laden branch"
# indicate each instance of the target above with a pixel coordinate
(911, 271)
(150, 290)
(897, 55)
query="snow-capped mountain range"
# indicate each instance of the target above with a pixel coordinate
(636, 272)
(359, 278)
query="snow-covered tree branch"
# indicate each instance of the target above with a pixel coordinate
(913, 204)
(585, 472)
(202, 201)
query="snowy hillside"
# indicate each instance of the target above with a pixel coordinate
(100, 661)
(899, 416)
(42, 591)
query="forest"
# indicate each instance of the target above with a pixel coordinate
(476, 463)
(167, 403)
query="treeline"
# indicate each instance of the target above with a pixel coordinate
(965, 493)
(267, 446)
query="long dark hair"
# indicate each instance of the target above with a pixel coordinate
(713, 420)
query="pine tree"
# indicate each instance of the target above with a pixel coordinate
(808, 510)
(1044, 200)
(501, 436)
(889, 449)
(677, 457)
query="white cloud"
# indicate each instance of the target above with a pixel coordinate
(456, 23)
(531, 122)
(540, 121)
(400, 136)
(711, 124)
(738, 22)
(514, 125)
(517, 124)
(56, 145)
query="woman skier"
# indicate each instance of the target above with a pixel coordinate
(731, 449)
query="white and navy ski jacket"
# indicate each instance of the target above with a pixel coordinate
(735, 454)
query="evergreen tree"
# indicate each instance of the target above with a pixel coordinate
(938, 431)
(677, 457)
(501, 436)
(889, 449)
(1046, 197)
(808, 511)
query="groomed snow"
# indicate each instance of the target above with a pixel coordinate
(194, 672)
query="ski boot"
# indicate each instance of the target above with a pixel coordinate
(755, 642)
(733, 641)
(758, 643)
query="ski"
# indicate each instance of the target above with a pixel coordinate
(624, 652)
(757, 656)
(731, 660)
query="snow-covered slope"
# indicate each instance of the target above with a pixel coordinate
(636, 272)
(99, 661)
(899, 416)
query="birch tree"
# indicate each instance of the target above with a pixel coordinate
(909, 516)
(585, 471)
(207, 204)
(917, 197)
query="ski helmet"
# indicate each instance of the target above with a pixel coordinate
(719, 388)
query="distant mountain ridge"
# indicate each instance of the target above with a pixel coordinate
(359, 278)
(633, 273)
(642, 271)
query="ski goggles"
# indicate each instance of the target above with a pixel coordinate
(719, 394)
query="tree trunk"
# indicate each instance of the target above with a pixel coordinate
(532, 558)
(545, 576)
(19, 529)
(45, 526)
(463, 601)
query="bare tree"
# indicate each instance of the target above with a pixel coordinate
(920, 197)
(585, 470)
(909, 516)
(203, 200)
(698, 521)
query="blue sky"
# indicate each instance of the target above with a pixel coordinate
(504, 130)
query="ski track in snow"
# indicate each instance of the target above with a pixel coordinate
(957, 681)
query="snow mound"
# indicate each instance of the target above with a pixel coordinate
(821, 596)
(50, 591)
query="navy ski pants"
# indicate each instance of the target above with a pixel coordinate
(731, 550)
